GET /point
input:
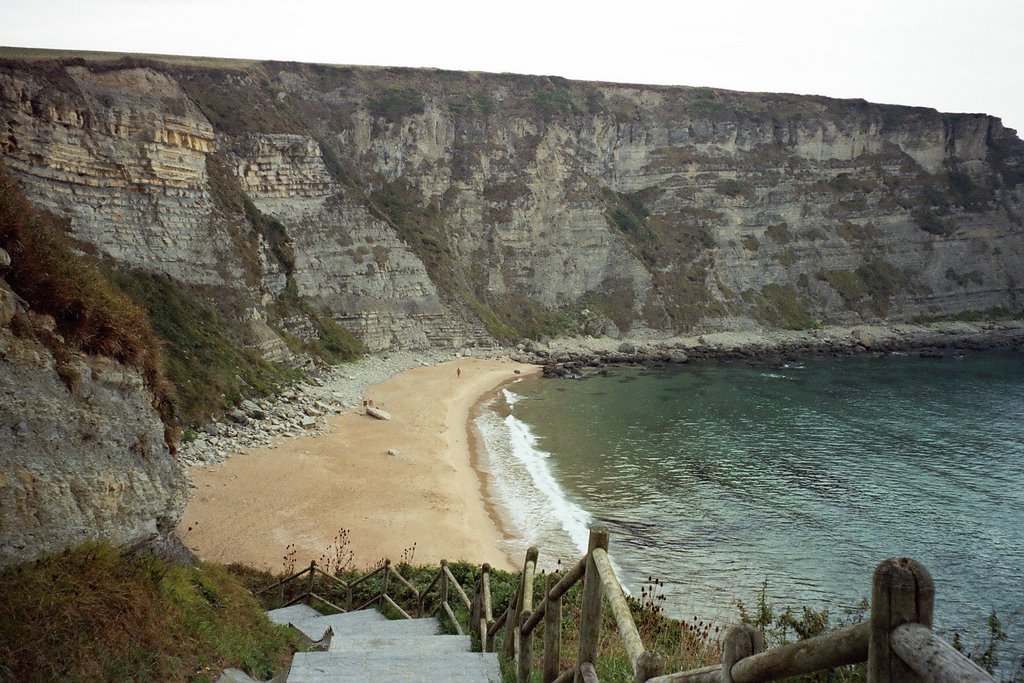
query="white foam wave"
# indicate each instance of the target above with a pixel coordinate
(534, 504)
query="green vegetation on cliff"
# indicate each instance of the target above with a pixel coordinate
(209, 369)
(195, 357)
(91, 315)
(98, 613)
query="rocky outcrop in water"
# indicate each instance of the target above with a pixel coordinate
(420, 207)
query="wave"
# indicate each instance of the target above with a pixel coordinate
(536, 508)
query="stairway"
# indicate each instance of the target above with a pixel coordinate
(365, 646)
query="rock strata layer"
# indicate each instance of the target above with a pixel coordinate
(424, 208)
(82, 452)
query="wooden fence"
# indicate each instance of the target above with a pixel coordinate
(443, 583)
(897, 642)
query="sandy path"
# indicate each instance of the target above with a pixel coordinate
(307, 489)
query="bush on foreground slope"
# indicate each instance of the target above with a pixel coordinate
(96, 613)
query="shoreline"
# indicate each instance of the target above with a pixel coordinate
(486, 479)
(313, 417)
(570, 356)
(409, 486)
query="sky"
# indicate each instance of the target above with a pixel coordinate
(953, 56)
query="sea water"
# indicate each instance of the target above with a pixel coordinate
(718, 478)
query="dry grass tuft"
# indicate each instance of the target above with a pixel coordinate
(92, 315)
(94, 613)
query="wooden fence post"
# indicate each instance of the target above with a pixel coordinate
(384, 581)
(511, 624)
(590, 613)
(902, 591)
(485, 608)
(444, 581)
(474, 607)
(525, 607)
(525, 655)
(309, 582)
(552, 631)
(741, 641)
(650, 665)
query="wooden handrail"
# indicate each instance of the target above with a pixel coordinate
(451, 615)
(430, 586)
(395, 573)
(838, 648)
(387, 570)
(569, 580)
(705, 674)
(387, 598)
(497, 624)
(325, 601)
(454, 583)
(535, 617)
(623, 619)
(281, 582)
(372, 574)
(566, 676)
(934, 658)
(897, 643)
(333, 578)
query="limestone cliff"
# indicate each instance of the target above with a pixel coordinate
(82, 451)
(415, 207)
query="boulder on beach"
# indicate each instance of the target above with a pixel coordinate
(374, 411)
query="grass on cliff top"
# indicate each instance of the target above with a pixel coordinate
(95, 613)
(91, 314)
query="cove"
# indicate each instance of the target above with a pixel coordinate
(716, 478)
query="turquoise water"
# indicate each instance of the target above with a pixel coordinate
(716, 478)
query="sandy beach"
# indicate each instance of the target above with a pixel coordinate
(305, 490)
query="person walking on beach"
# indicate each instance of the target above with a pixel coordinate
(458, 372)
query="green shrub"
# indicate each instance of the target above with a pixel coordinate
(96, 613)
(210, 367)
(396, 103)
(484, 101)
(782, 306)
(552, 103)
(931, 222)
(872, 284)
(732, 187)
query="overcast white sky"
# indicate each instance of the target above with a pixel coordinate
(959, 56)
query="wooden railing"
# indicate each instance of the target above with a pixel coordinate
(443, 583)
(521, 618)
(897, 642)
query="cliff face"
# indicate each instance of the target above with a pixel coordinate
(417, 206)
(82, 452)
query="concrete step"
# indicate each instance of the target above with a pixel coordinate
(292, 613)
(349, 667)
(346, 622)
(400, 644)
(399, 628)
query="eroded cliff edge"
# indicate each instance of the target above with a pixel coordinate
(82, 449)
(437, 208)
